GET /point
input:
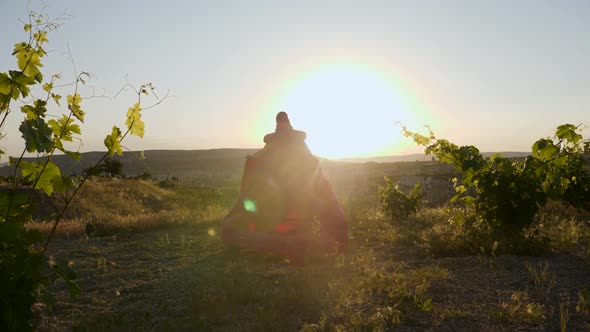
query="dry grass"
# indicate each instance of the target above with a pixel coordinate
(520, 309)
(113, 206)
(181, 278)
(543, 279)
(117, 223)
(435, 272)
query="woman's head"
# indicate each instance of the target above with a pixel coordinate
(283, 121)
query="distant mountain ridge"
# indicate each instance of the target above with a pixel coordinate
(159, 163)
(424, 157)
(204, 165)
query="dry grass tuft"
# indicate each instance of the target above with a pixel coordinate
(520, 309)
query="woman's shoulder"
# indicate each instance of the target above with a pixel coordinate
(285, 135)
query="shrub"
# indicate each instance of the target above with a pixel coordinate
(507, 194)
(398, 205)
(110, 167)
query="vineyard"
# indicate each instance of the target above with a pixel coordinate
(461, 242)
(167, 269)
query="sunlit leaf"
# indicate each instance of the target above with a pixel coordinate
(45, 177)
(28, 59)
(7, 91)
(5, 84)
(21, 82)
(545, 149)
(564, 131)
(568, 133)
(74, 106)
(36, 110)
(134, 122)
(40, 37)
(112, 142)
(64, 128)
(47, 87)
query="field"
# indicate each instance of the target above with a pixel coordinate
(153, 260)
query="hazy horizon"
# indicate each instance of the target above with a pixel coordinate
(497, 75)
(338, 159)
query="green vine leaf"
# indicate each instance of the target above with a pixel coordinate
(19, 206)
(5, 84)
(134, 122)
(64, 127)
(37, 135)
(56, 98)
(112, 142)
(568, 132)
(28, 59)
(38, 109)
(47, 87)
(7, 91)
(64, 183)
(41, 37)
(34, 170)
(21, 82)
(74, 106)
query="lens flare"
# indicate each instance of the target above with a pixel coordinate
(249, 205)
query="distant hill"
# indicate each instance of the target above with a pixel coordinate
(388, 159)
(196, 164)
(423, 157)
(221, 165)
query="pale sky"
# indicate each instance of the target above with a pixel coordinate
(494, 74)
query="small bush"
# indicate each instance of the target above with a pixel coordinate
(398, 205)
(110, 167)
(167, 184)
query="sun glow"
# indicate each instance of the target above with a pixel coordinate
(348, 110)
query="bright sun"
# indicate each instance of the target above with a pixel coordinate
(348, 111)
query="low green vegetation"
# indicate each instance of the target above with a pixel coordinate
(425, 271)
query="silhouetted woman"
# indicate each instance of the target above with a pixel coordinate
(282, 191)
